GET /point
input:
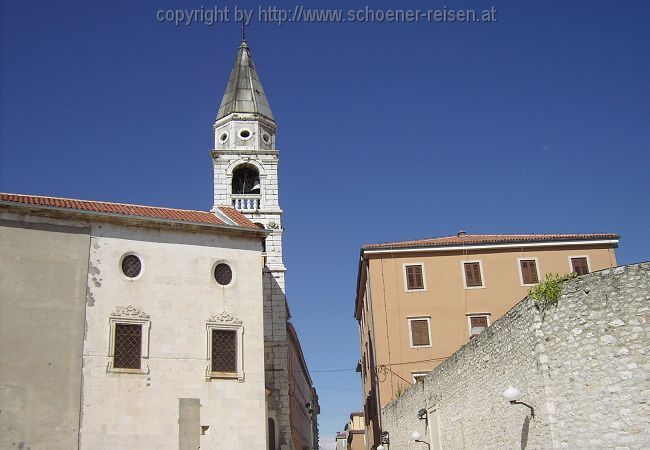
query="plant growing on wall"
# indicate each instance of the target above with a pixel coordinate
(548, 291)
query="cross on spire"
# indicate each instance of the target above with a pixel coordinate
(243, 30)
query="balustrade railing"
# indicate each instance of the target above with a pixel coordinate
(246, 202)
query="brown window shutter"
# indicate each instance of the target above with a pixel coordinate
(479, 321)
(473, 274)
(529, 271)
(477, 324)
(579, 266)
(414, 278)
(420, 332)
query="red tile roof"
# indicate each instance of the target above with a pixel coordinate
(478, 239)
(185, 215)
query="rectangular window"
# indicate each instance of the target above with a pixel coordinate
(224, 351)
(580, 265)
(419, 376)
(128, 346)
(414, 278)
(473, 274)
(419, 329)
(529, 271)
(477, 324)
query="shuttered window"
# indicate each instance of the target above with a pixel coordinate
(473, 274)
(579, 265)
(224, 351)
(128, 346)
(477, 324)
(414, 278)
(420, 332)
(529, 271)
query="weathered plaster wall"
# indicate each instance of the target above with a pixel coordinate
(582, 365)
(42, 304)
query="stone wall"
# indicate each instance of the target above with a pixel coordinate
(581, 365)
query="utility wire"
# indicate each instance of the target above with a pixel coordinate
(381, 365)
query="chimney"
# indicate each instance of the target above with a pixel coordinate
(461, 233)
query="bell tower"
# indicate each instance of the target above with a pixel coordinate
(245, 162)
(245, 157)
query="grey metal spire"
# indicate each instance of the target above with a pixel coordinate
(244, 93)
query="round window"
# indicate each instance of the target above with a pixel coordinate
(245, 133)
(131, 266)
(223, 138)
(223, 274)
(266, 137)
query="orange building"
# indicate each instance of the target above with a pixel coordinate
(417, 302)
(356, 431)
(303, 401)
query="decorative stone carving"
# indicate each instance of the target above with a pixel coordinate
(224, 317)
(129, 312)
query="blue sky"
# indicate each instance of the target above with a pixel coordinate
(537, 123)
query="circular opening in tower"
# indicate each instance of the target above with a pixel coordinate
(266, 137)
(245, 133)
(223, 138)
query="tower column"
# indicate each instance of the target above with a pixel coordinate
(245, 163)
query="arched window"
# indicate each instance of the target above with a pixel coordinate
(271, 434)
(245, 180)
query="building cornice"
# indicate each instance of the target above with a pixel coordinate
(57, 212)
(246, 117)
(230, 152)
(567, 243)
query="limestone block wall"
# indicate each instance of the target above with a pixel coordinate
(582, 366)
(177, 291)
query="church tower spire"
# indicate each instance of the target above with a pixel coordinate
(244, 92)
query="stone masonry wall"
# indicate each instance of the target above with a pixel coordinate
(581, 365)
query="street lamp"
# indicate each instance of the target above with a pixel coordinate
(416, 437)
(512, 394)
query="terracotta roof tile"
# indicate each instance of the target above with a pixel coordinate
(126, 209)
(237, 217)
(478, 239)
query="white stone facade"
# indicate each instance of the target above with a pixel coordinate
(258, 151)
(178, 298)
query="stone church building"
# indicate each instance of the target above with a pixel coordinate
(128, 326)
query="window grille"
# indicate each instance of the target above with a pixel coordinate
(131, 266)
(128, 346)
(224, 351)
(223, 274)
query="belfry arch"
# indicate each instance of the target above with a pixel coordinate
(246, 180)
